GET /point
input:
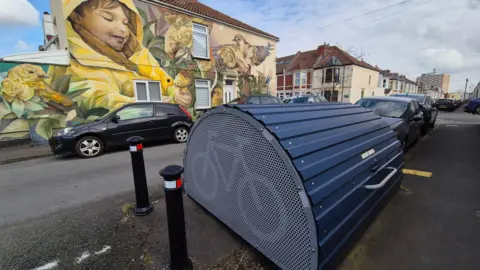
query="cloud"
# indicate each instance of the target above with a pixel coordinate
(410, 38)
(18, 13)
(22, 46)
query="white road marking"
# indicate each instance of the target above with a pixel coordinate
(451, 125)
(104, 249)
(48, 266)
(82, 257)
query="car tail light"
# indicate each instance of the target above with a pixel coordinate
(185, 111)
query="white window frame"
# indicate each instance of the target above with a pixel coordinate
(209, 94)
(202, 33)
(148, 92)
(302, 78)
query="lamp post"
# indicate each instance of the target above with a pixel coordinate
(465, 93)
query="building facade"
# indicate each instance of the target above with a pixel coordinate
(329, 71)
(294, 74)
(394, 83)
(343, 78)
(429, 81)
(181, 52)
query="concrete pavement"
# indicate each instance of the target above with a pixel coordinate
(432, 223)
(40, 186)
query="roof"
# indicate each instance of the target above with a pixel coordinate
(204, 10)
(341, 57)
(283, 62)
(323, 56)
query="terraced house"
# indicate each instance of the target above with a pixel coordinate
(101, 54)
(329, 71)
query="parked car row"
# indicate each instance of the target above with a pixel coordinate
(409, 116)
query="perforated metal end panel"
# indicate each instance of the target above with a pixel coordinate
(244, 179)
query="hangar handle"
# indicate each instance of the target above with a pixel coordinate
(381, 184)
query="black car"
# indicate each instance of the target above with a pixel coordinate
(402, 114)
(256, 99)
(427, 105)
(306, 99)
(445, 104)
(150, 120)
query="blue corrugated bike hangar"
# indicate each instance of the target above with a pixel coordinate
(300, 183)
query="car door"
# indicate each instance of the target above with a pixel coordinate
(412, 125)
(434, 111)
(165, 116)
(133, 120)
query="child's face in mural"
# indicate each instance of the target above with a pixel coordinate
(109, 25)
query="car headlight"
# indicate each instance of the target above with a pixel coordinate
(65, 131)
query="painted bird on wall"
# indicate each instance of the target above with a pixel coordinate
(31, 77)
(256, 54)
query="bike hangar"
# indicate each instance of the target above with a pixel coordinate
(299, 182)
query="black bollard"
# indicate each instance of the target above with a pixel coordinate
(177, 239)
(139, 177)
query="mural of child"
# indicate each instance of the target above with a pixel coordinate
(105, 44)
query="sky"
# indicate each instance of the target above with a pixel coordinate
(410, 37)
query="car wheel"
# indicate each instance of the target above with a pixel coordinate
(477, 110)
(180, 135)
(89, 147)
(403, 145)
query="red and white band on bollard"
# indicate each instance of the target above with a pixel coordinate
(173, 184)
(136, 148)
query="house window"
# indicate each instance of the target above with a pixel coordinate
(362, 93)
(147, 91)
(202, 94)
(200, 41)
(300, 78)
(332, 75)
(369, 79)
(384, 83)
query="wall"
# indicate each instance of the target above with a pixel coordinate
(138, 41)
(59, 23)
(158, 46)
(32, 106)
(360, 79)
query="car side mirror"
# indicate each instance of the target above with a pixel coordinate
(115, 118)
(417, 118)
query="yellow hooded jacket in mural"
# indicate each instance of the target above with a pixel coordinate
(110, 83)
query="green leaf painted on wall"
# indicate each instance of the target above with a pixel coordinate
(157, 42)
(143, 15)
(158, 53)
(18, 128)
(62, 83)
(147, 34)
(18, 107)
(71, 115)
(4, 110)
(44, 128)
(32, 106)
(58, 120)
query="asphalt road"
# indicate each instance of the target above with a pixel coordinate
(36, 187)
(432, 222)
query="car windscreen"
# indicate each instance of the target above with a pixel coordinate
(444, 101)
(386, 108)
(299, 100)
(418, 98)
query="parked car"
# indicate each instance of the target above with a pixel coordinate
(256, 99)
(445, 104)
(473, 106)
(306, 99)
(427, 105)
(402, 114)
(150, 120)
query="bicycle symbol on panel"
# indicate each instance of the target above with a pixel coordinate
(250, 182)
